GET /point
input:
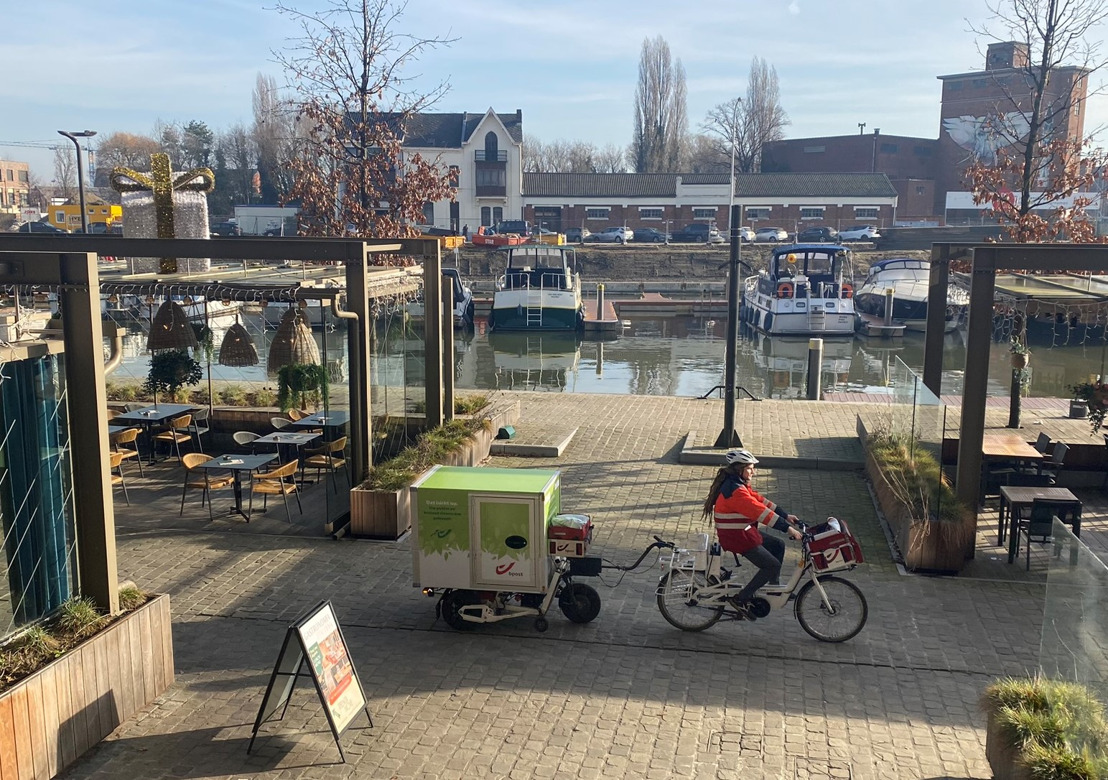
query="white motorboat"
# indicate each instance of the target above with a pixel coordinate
(540, 290)
(909, 279)
(807, 290)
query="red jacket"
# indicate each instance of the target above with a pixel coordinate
(738, 513)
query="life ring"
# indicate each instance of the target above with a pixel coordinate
(848, 290)
(785, 290)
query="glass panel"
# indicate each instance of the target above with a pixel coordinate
(336, 438)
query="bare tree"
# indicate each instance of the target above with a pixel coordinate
(1035, 161)
(572, 157)
(707, 155)
(128, 150)
(661, 120)
(748, 123)
(274, 139)
(168, 135)
(611, 159)
(65, 172)
(346, 70)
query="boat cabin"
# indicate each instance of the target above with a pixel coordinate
(899, 268)
(539, 266)
(807, 271)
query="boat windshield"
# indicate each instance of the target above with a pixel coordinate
(811, 262)
(537, 256)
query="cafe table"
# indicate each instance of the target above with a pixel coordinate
(288, 444)
(1014, 498)
(150, 416)
(1004, 447)
(239, 465)
(332, 422)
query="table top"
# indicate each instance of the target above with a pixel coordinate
(155, 413)
(334, 417)
(286, 438)
(238, 462)
(114, 429)
(1019, 494)
(1008, 445)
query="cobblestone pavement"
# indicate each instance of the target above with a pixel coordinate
(624, 696)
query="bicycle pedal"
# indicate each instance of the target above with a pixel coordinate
(724, 574)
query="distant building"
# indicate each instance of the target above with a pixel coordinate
(15, 186)
(67, 216)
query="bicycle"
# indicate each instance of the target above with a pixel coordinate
(695, 592)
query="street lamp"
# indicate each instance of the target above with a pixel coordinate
(80, 171)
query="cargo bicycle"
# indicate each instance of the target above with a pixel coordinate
(695, 591)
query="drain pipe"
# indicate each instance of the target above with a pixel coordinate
(111, 330)
(341, 313)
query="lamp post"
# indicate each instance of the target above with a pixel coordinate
(80, 171)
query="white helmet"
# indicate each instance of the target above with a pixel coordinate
(740, 457)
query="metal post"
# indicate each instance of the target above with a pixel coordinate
(815, 368)
(728, 437)
(599, 302)
(358, 335)
(937, 283)
(80, 172)
(447, 348)
(890, 295)
(432, 336)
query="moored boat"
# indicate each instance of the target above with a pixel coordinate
(909, 279)
(540, 290)
(807, 290)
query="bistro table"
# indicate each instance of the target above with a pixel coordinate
(1004, 447)
(150, 416)
(114, 429)
(332, 422)
(239, 465)
(288, 444)
(1014, 498)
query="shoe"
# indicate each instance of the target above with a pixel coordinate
(744, 609)
(724, 574)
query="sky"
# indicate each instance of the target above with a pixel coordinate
(571, 65)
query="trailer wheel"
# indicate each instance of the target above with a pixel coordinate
(452, 601)
(579, 602)
(541, 625)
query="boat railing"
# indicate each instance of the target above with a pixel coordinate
(540, 279)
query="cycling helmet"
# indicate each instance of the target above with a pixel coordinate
(740, 457)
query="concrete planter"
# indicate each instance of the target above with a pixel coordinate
(1003, 756)
(51, 718)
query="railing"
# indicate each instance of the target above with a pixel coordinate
(481, 156)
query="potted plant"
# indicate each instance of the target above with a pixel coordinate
(1021, 355)
(1095, 397)
(170, 371)
(301, 383)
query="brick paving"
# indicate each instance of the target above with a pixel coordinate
(624, 696)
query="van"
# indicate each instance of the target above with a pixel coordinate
(517, 226)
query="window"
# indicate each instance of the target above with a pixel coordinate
(497, 215)
(954, 85)
(811, 212)
(597, 213)
(650, 213)
(24, 176)
(59, 217)
(11, 174)
(869, 212)
(921, 190)
(490, 146)
(921, 151)
(454, 174)
(889, 148)
(978, 83)
(754, 213)
(703, 213)
(814, 149)
(486, 216)
(428, 213)
(491, 177)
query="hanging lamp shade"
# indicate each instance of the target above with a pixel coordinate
(171, 329)
(293, 343)
(237, 348)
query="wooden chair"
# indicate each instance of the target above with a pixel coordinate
(126, 444)
(201, 479)
(1039, 525)
(176, 433)
(116, 461)
(246, 439)
(295, 414)
(327, 457)
(273, 483)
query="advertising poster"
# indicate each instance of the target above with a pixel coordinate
(331, 666)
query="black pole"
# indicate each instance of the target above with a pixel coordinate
(728, 437)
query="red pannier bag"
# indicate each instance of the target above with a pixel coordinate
(834, 550)
(571, 527)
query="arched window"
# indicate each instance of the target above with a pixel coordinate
(486, 216)
(497, 215)
(490, 146)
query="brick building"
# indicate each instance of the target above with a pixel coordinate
(15, 186)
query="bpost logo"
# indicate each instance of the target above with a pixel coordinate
(505, 568)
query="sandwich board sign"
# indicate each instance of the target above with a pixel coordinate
(316, 642)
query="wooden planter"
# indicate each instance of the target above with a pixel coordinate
(1003, 756)
(51, 718)
(386, 514)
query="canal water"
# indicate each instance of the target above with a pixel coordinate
(674, 356)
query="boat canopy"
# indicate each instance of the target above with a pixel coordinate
(812, 260)
(536, 256)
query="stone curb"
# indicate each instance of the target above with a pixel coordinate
(520, 450)
(694, 455)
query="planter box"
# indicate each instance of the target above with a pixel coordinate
(385, 514)
(1003, 757)
(51, 718)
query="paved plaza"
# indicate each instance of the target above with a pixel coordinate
(624, 696)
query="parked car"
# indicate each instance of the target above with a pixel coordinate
(39, 227)
(746, 234)
(817, 235)
(698, 233)
(859, 233)
(226, 229)
(613, 235)
(650, 236)
(772, 234)
(577, 235)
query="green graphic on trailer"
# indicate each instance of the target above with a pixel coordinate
(443, 522)
(503, 525)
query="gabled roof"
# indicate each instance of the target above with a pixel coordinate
(450, 131)
(814, 185)
(585, 185)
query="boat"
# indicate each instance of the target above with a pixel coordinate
(539, 290)
(909, 279)
(535, 361)
(463, 301)
(784, 362)
(807, 290)
(486, 237)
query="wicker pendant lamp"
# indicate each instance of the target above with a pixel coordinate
(171, 329)
(237, 348)
(293, 343)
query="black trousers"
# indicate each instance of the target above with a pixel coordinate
(768, 558)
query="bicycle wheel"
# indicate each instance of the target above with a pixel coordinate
(579, 602)
(679, 603)
(845, 617)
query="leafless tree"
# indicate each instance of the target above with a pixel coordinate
(128, 150)
(748, 123)
(611, 159)
(572, 157)
(707, 155)
(236, 154)
(1038, 158)
(168, 136)
(346, 70)
(65, 172)
(274, 139)
(661, 120)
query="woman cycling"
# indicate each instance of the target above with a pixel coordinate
(738, 511)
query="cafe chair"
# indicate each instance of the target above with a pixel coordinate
(116, 461)
(201, 479)
(1038, 527)
(126, 443)
(246, 439)
(328, 457)
(273, 483)
(113, 413)
(199, 426)
(1042, 444)
(176, 433)
(134, 407)
(296, 415)
(1057, 456)
(280, 423)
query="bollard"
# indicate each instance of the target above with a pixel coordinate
(815, 366)
(600, 358)
(600, 302)
(890, 293)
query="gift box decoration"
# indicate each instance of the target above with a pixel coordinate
(160, 204)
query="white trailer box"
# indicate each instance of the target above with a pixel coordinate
(256, 220)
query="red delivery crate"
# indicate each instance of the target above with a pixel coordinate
(571, 527)
(834, 550)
